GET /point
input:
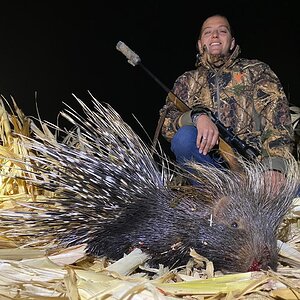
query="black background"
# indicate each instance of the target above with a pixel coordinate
(51, 49)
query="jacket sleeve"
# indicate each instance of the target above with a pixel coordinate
(175, 118)
(276, 127)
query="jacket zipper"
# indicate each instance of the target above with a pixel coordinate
(217, 93)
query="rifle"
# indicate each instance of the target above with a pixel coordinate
(229, 145)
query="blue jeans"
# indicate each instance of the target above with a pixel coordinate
(183, 145)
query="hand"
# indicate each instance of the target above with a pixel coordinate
(208, 134)
(275, 179)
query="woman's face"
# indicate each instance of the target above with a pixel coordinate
(216, 36)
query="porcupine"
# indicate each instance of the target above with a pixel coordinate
(111, 194)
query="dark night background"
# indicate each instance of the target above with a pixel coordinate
(51, 49)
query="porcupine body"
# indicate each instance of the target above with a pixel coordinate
(110, 193)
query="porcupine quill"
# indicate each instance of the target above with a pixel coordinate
(109, 193)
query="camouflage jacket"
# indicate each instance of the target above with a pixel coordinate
(245, 95)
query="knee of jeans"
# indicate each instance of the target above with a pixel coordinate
(184, 141)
